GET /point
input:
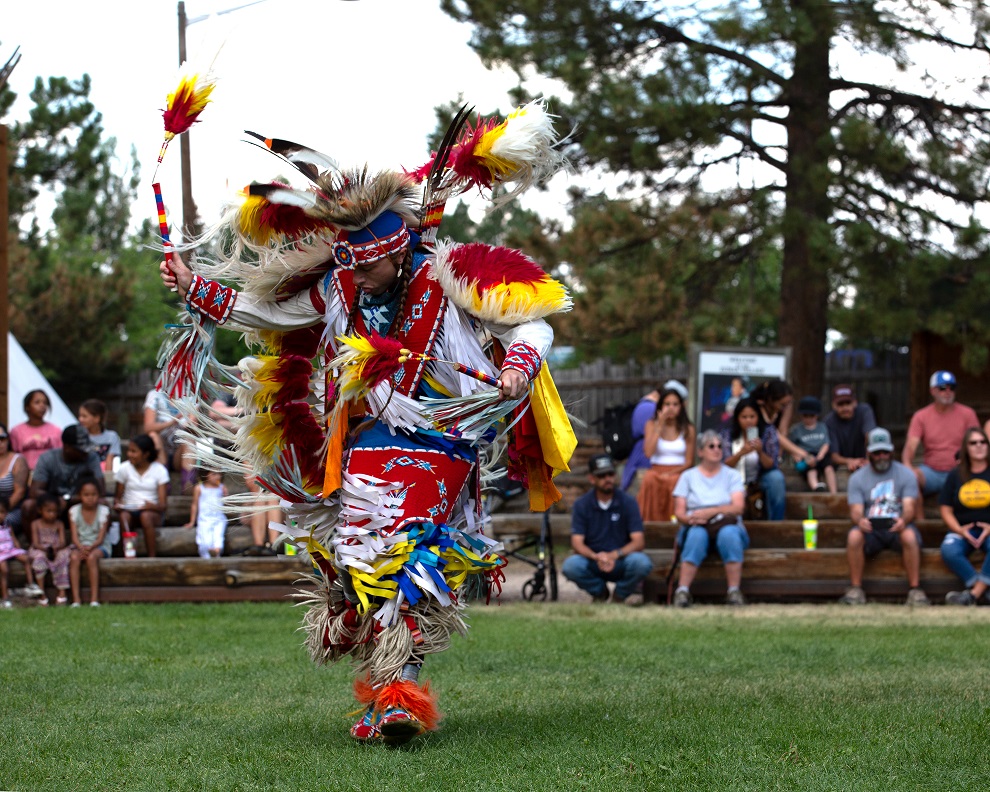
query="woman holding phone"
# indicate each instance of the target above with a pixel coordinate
(755, 456)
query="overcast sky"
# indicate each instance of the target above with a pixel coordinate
(356, 79)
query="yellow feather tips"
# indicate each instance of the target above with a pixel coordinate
(363, 362)
(499, 167)
(187, 101)
(519, 146)
(250, 220)
(268, 382)
(515, 302)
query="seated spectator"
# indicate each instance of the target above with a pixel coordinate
(206, 514)
(35, 436)
(938, 429)
(607, 540)
(848, 425)
(709, 499)
(14, 475)
(669, 445)
(882, 499)
(11, 548)
(106, 442)
(811, 437)
(162, 422)
(89, 522)
(60, 470)
(754, 455)
(49, 551)
(964, 505)
(141, 490)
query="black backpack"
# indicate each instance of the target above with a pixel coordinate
(617, 433)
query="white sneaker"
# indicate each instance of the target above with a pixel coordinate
(74, 605)
(6, 604)
(94, 604)
(34, 590)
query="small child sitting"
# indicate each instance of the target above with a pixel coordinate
(49, 550)
(10, 548)
(206, 514)
(811, 436)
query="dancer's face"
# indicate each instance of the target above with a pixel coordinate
(379, 276)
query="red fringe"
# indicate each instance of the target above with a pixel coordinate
(417, 701)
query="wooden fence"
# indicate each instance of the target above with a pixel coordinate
(587, 390)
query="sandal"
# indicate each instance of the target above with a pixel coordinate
(43, 602)
(61, 600)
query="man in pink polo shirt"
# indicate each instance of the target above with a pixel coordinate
(939, 428)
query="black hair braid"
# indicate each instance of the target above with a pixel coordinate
(405, 267)
(352, 314)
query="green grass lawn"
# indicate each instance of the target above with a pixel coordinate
(538, 697)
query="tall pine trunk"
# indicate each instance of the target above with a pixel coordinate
(808, 248)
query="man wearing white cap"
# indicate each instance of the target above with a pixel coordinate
(939, 429)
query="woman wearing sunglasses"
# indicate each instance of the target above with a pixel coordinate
(708, 503)
(964, 504)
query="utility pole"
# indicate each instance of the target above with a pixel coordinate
(190, 214)
(4, 269)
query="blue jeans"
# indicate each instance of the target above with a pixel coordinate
(955, 553)
(774, 490)
(731, 542)
(934, 479)
(627, 574)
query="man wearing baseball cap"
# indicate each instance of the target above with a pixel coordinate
(882, 499)
(848, 424)
(939, 428)
(607, 539)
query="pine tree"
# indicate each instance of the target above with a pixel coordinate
(865, 175)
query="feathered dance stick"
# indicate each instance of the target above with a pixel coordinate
(488, 379)
(366, 361)
(184, 104)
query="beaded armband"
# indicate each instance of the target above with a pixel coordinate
(523, 357)
(211, 299)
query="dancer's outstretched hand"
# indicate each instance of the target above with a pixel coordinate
(512, 383)
(175, 274)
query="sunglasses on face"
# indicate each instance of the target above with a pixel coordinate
(971, 442)
(843, 403)
(881, 453)
(714, 445)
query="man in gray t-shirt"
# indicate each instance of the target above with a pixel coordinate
(882, 497)
(60, 470)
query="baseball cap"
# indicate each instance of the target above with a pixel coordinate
(76, 436)
(601, 463)
(843, 393)
(878, 440)
(809, 405)
(941, 378)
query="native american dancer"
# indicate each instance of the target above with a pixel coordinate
(429, 352)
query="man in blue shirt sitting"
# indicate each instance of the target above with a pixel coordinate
(607, 539)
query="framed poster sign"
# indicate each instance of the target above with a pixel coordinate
(721, 376)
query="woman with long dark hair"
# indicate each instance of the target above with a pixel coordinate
(964, 505)
(668, 443)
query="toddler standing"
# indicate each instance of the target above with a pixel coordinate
(207, 514)
(49, 551)
(811, 436)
